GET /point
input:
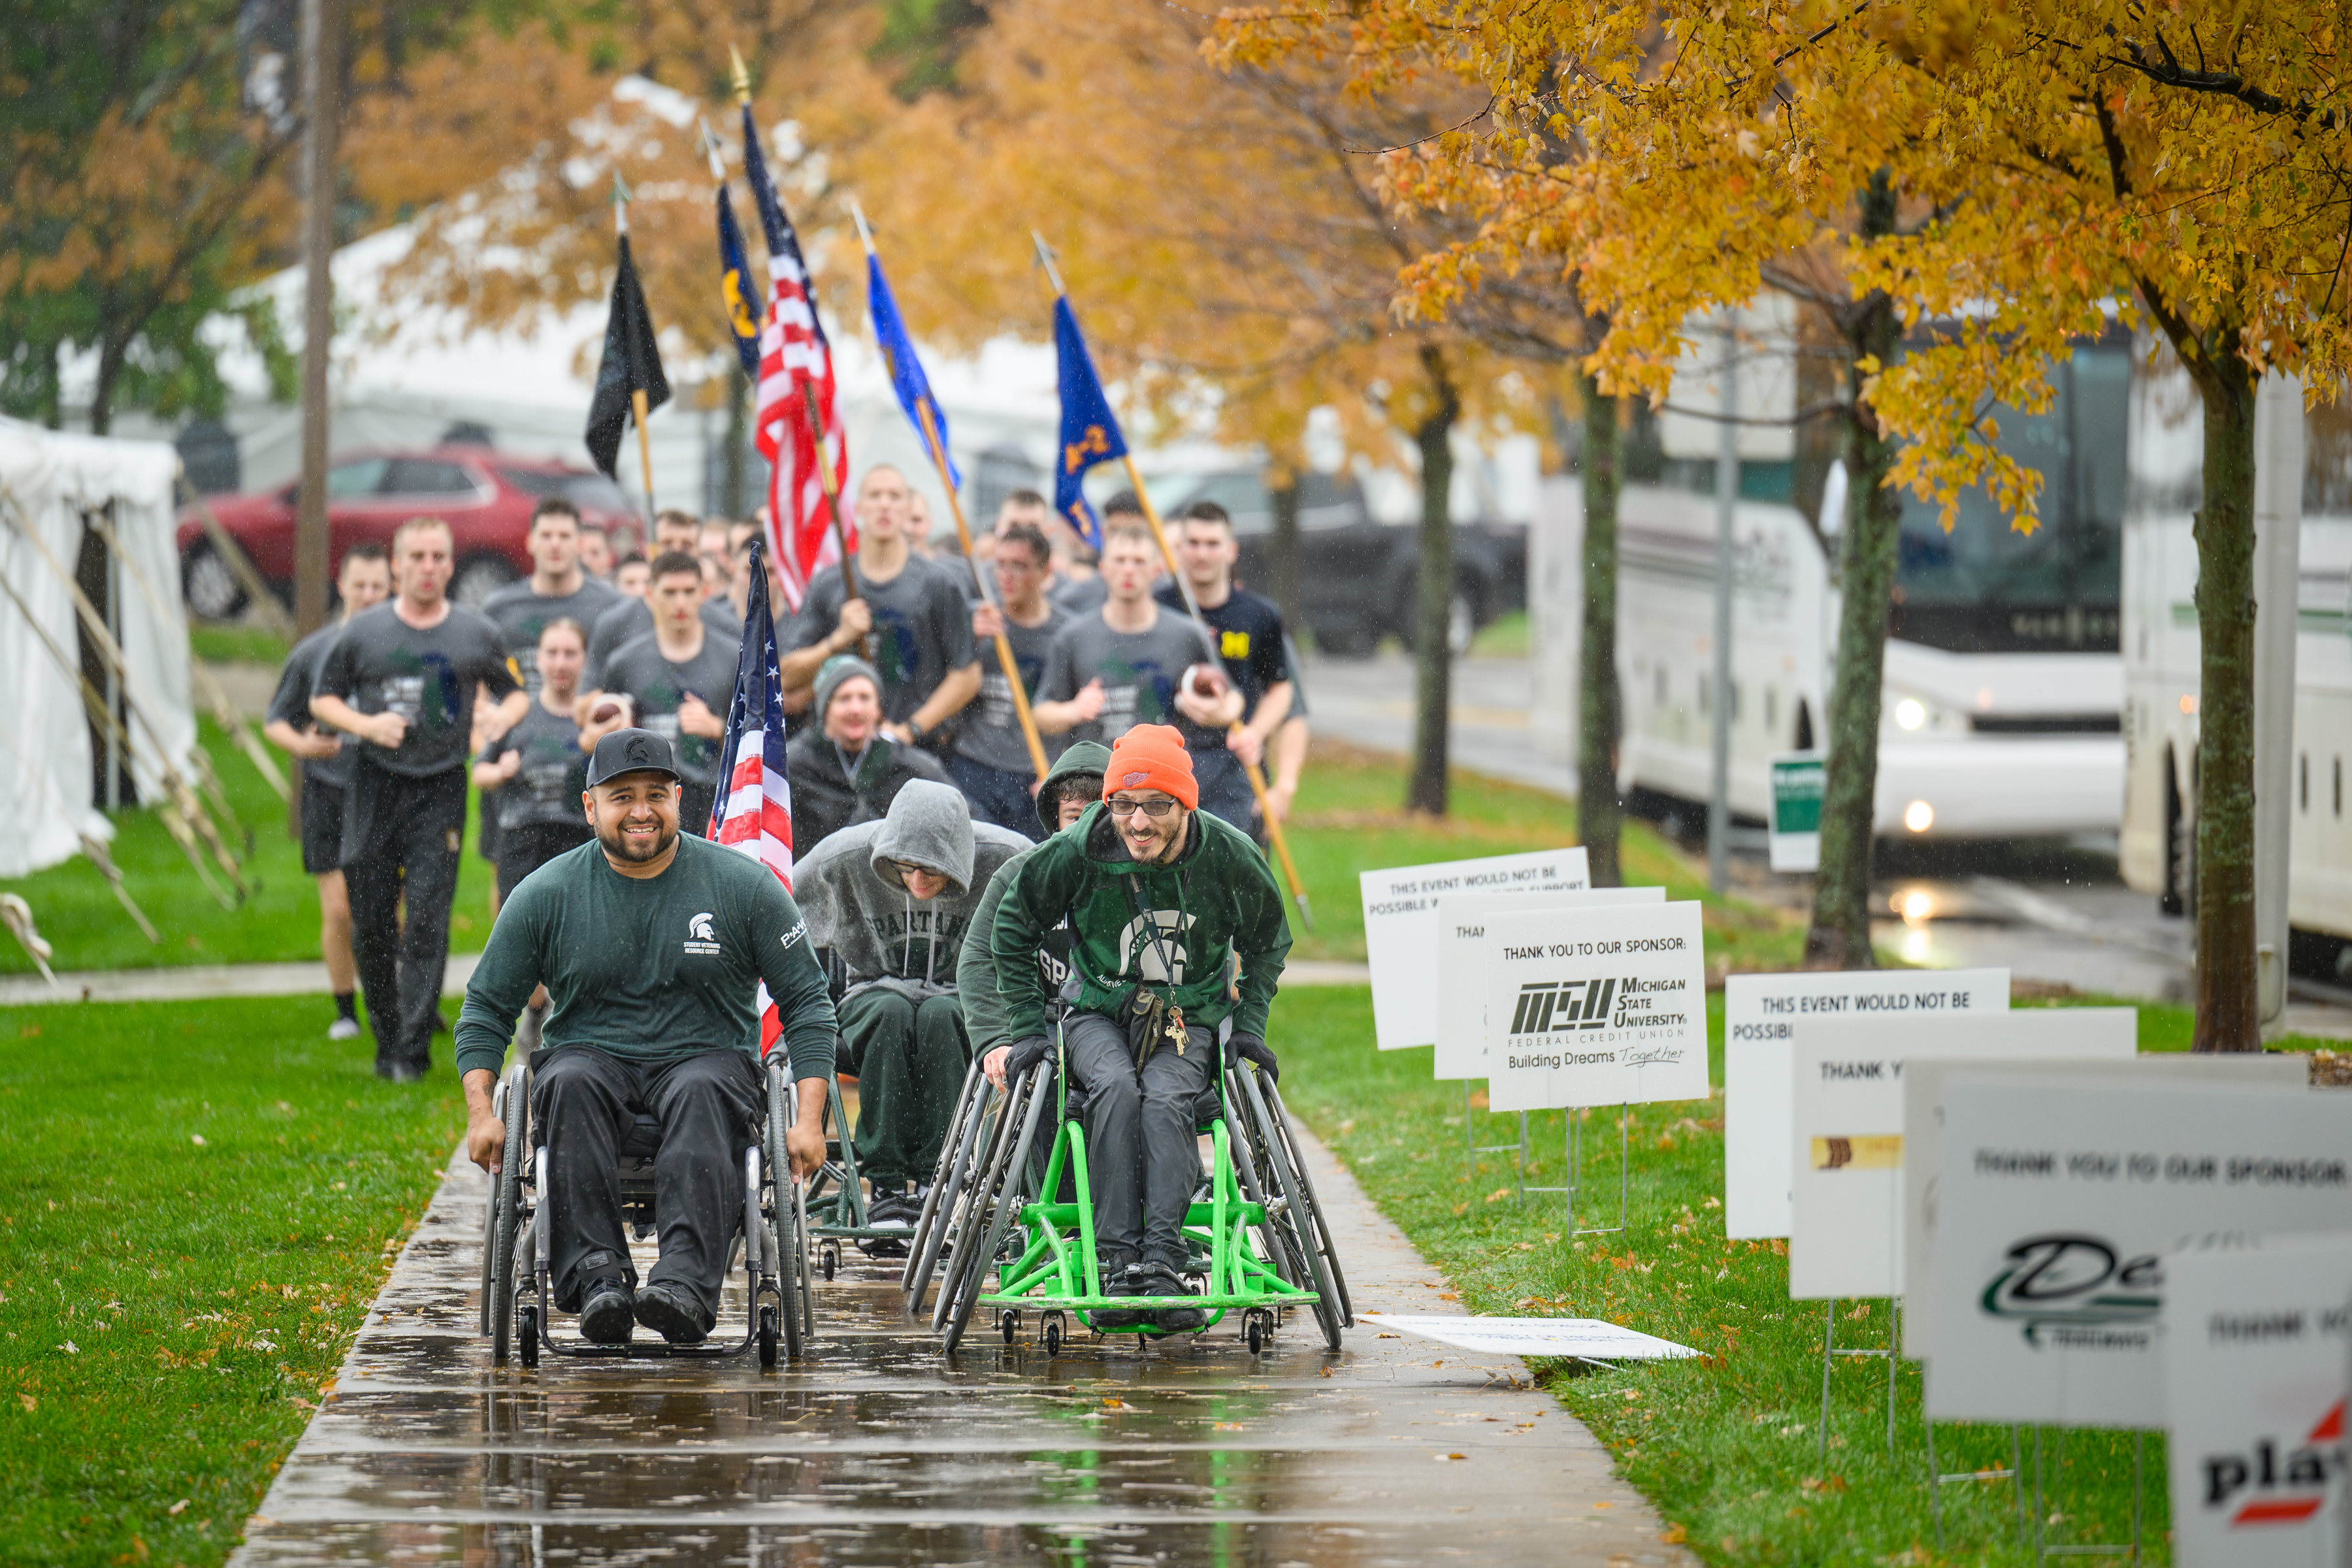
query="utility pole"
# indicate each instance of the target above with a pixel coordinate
(320, 52)
(1726, 500)
(2278, 540)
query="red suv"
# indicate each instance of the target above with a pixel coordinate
(486, 496)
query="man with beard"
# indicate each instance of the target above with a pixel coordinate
(651, 944)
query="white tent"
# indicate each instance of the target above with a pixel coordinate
(51, 485)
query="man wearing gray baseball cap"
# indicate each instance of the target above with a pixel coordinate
(652, 945)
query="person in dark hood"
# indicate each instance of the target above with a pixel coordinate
(891, 901)
(843, 769)
(1161, 899)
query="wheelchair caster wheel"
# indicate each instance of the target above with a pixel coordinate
(768, 1336)
(1256, 1329)
(526, 1334)
(1054, 1333)
(1009, 1322)
(829, 1259)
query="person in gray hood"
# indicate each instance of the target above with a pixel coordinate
(891, 900)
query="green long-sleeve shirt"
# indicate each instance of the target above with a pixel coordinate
(651, 969)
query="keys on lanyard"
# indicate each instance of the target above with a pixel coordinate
(1176, 1034)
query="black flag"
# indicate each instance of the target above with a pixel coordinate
(631, 362)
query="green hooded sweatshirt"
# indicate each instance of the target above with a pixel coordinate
(1217, 899)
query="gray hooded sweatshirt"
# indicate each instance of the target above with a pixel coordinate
(859, 908)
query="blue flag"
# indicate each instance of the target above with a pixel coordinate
(907, 377)
(738, 294)
(1090, 432)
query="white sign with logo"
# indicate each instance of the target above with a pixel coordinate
(1589, 1338)
(1763, 1016)
(1847, 1145)
(2056, 1202)
(1460, 961)
(1923, 1127)
(2255, 1369)
(1400, 928)
(1595, 1006)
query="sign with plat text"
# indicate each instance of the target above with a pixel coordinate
(1400, 928)
(1459, 961)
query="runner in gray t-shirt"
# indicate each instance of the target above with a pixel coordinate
(991, 764)
(681, 677)
(1119, 667)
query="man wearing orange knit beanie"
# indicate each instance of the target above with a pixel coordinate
(1162, 898)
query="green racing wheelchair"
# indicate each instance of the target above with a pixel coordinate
(1003, 1200)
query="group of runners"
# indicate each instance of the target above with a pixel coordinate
(967, 906)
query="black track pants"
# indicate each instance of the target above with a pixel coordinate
(399, 833)
(708, 1105)
(1143, 1154)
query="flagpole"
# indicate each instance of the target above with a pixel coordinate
(637, 394)
(832, 502)
(1004, 659)
(1274, 832)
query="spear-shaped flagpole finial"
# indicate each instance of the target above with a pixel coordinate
(742, 75)
(1046, 260)
(620, 205)
(711, 147)
(864, 235)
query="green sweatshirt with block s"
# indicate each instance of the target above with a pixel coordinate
(1217, 899)
(650, 969)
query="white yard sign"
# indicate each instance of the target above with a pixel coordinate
(1595, 1006)
(2055, 1205)
(2255, 1369)
(1587, 1337)
(1400, 928)
(1847, 1143)
(1763, 1016)
(1922, 1124)
(1459, 959)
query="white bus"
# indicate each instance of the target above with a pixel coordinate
(2161, 671)
(2003, 683)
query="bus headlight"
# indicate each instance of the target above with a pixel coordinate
(1918, 816)
(1911, 713)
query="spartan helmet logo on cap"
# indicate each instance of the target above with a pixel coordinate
(642, 750)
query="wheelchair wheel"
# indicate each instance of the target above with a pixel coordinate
(768, 1321)
(949, 1184)
(506, 1220)
(527, 1333)
(784, 1264)
(1297, 1225)
(1321, 1230)
(491, 1221)
(961, 1229)
(1007, 1177)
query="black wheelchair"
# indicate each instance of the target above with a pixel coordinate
(771, 1239)
(1008, 1197)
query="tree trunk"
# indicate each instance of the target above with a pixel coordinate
(1432, 654)
(111, 357)
(1600, 722)
(1839, 937)
(2228, 1010)
(1282, 562)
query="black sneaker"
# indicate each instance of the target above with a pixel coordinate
(1120, 1278)
(887, 1210)
(609, 1312)
(671, 1313)
(1172, 1320)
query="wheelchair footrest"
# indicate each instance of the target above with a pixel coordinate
(1148, 1303)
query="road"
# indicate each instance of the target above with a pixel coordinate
(2055, 915)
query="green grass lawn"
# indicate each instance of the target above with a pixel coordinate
(1728, 1446)
(202, 1199)
(77, 910)
(215, 643)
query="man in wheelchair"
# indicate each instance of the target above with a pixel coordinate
(652, 946)
(889, 901)
(1162, 898)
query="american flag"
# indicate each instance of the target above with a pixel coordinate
(755, 812)
(795, 373)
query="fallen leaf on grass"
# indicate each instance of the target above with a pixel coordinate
(70, 1348)
(29, 1402)
(1673, 1535)
(177, 1508)
(1498, 1195)
(197, 1139)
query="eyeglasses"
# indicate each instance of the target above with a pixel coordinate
(908, 868)
(1158, 806)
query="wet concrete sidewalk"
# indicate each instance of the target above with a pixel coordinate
(875, 1449)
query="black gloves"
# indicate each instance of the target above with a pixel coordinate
(1240, 1048)
(1026, 1054)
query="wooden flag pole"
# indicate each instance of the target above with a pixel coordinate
(1004, 659)
(840, 535)
(644, 445)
